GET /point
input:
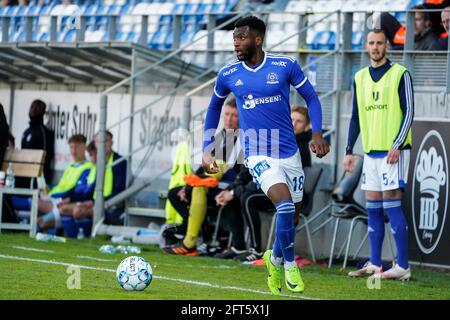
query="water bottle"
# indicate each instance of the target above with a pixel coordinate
(80, 234)
(49, 237)
(10, 181)
(107, 249)
(2, 179)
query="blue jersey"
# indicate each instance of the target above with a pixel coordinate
(262, 98)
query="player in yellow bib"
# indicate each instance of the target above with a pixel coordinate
(383, 111)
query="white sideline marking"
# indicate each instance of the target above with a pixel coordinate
(33, 249)
(197, 283)
(96, 259)
(222, 266)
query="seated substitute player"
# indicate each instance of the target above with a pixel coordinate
(81, 213)
(72, 186)
(260, 83)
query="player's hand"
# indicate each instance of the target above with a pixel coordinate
(209, 163)
(63, 202)
(393, 156)
(223, 198)
(318, 145)
(349, 163)
(182, 194)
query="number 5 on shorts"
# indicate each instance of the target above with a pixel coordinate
(298, 183)
(385, 179)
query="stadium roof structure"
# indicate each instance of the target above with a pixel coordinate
(102, 63)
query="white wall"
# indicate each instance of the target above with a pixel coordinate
(78, 112)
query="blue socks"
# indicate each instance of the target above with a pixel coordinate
(285, 231)
(399, 228)
(376, 230)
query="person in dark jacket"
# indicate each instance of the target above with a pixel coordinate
(424, 34)
(8, 212)
(4, 133)
(38, 136)
(442, 42)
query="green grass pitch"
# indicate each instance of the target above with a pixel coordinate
(32, 269)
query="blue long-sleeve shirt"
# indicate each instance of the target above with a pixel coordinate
(262, 97)
(80, 192)
(406, 94)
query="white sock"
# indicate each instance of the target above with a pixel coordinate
(58, 222)
(276, 261)
(289, 264)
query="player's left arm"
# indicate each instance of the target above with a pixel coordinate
(297, 78)
(406, 94)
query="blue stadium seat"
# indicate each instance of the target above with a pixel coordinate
(159, 39)
(68, 35)
(43, 36)
(114, 10)
(231, 4)
(46, 10)
(218, 7)
(357, 40)
(125, 8)
(323, 40)
(165, 20)
(187, 36)
(133, 36)
(401, 17)
(34, 10)
(121, 36)
(413, 3)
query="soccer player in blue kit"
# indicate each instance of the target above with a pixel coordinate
(260, 83)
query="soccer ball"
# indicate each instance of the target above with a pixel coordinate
(134, 273)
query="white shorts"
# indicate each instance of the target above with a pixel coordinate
(378, 175)
(268, 171)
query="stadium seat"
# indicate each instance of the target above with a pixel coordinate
(158, 40)
(413, 3)
(133, 37)
(274, 37)
(323, 40)
(94, 36)
(357, 40)
(68, 35)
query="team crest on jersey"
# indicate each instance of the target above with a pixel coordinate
(272, 78)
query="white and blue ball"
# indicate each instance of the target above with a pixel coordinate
(134, 273)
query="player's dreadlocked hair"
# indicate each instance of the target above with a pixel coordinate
(254, 23)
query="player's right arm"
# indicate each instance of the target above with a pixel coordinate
(353, 133)
(212, 119)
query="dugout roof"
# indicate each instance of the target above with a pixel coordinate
(102, 63)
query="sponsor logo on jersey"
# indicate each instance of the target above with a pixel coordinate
(227, 73)
(238, 83)
(250, 102)
(375, 95)
(376, 107)
(261, 167)
(279, 63)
